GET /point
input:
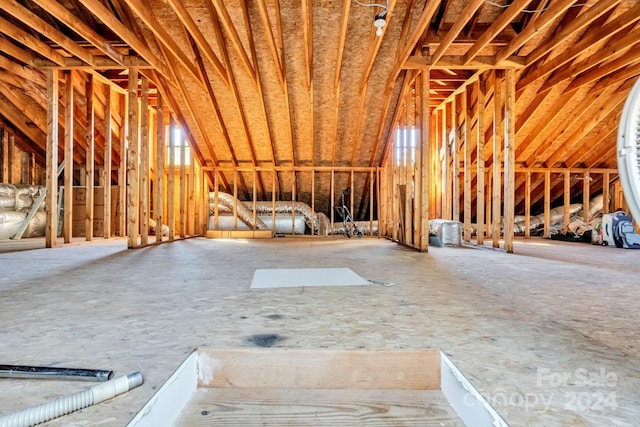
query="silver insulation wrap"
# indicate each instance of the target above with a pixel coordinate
(244, 214)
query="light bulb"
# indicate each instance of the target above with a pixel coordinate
(379, 23)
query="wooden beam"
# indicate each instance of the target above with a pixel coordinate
(158, 198)
(374, 46)
(581, 22)
(108, 160)
(527, 205)
(171, 181)
(123, 188)
(455, 160)
(344, 22)
(90, 160)
(32, 20)
(307, 32)
(199, 39)
(266, 22)
(605, 193)
(496, 28)
(183, 189)
(421, 26)
(123, 31)
(13, 50)
(460, 22)
(133, 157)
(555, 9)
(467, 147)
(480, 170)
(163, 37)
(27, 39)
(509, 159)
(263, 101)
(224, 19)
(622, 23)
(498, 103)
(51, 227)
(144, 162)
(191, 197)
(425, 161)
(68, 158)
(567, 201)
(547, 204)
(458, 63)
(236, 94)
(64, 15)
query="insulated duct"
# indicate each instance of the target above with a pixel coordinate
(299, 208)
(15, 203)
(557, 215)
(244, 214)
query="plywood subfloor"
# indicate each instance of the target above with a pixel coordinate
(306, 407)
(511, 323)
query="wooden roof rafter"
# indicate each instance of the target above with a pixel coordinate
(611, 50)
(193, 30)
(222, 16)
(30, 41)
(610, 29)
(344, 23)
(496, 28)
(62, 14)
(217, 29)
(121, 30)
(32, 20)
(569, 28)
(271, 41)
(307, 31)
(256, 66)
(469, 11)
(163, 38)
(550, 14)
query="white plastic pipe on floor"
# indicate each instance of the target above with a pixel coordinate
(65, 405)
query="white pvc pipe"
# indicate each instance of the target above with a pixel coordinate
(65, 405)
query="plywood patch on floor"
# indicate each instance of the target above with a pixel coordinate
(297, 277)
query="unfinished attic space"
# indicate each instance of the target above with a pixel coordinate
(319, 212)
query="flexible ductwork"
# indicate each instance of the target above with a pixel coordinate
(365, 227)
(557, 215)
(15, 203)
(65, 405)
(299, 208)
(244, 214)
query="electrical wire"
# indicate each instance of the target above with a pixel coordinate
(504, 6)
(385, 7)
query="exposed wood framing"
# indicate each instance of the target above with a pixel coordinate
(68, 158)
(90, 160)
(51, 227)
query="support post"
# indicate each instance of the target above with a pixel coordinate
(547, 203)
(183, 190)
(51, 228)
(586, 196)
(480, 184)
(132, 160)
(90, 160)
(567, 200)
(605, 193)
(425, 161)
(171, 218)
(144, 163)
(527, 204)
(67, 223)
(158, 191)
(108, 150)
(498, 94)
(509, 159)
(468, 150)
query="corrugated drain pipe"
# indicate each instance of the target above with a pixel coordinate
(65, 405)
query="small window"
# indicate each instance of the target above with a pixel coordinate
(179, 141)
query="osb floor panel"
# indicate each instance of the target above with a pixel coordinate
(267, 407)
(549, 335)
